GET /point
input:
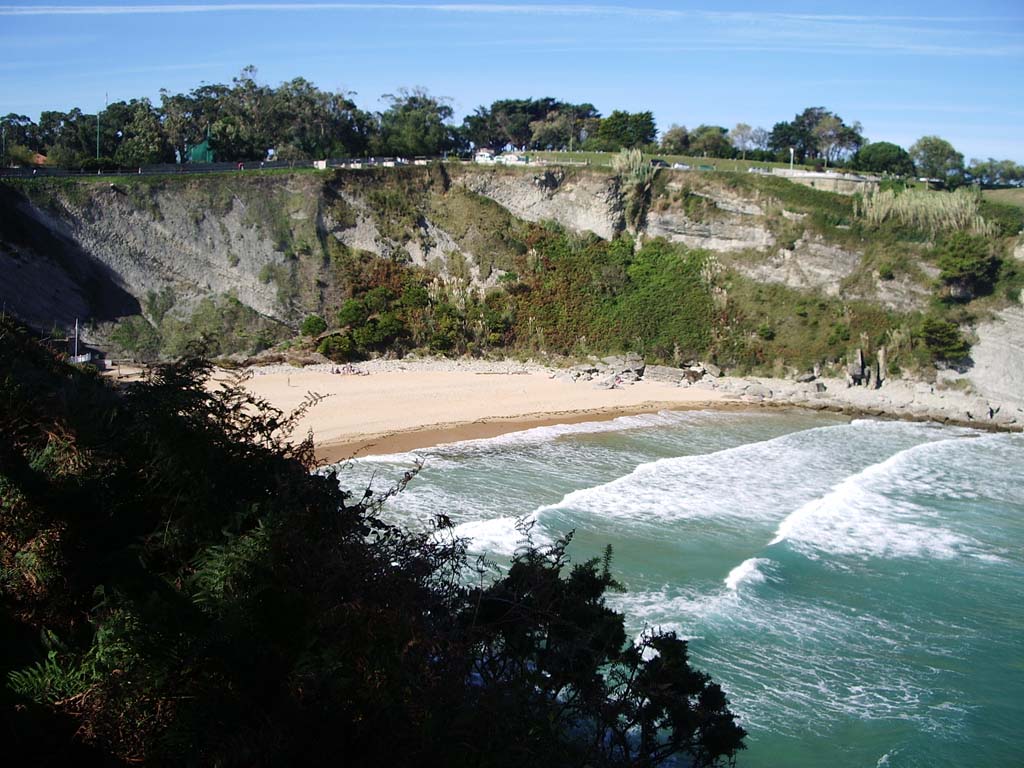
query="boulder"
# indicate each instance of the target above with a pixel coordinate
(614, 361)
(712, 369)
(663, 373)
(633, 362)
(855, 371)
(805, 378)
(757, 390)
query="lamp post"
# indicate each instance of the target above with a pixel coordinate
(105, 99)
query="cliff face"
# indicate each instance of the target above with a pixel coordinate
(47, 277)
(577, 200)
(279, 243)
(94, 249)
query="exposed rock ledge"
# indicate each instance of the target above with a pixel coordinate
(916, 401)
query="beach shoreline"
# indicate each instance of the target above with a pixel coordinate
(431, 435)
(395, 406)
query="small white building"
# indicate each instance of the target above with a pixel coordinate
(511, 158)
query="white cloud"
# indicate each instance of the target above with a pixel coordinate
(753, 31)
(536, 9)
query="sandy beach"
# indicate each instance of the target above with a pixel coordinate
(389, 406)
(399, 408)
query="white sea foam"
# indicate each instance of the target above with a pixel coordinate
(751, 481)
(549, 433)
(499, 536)
(861, 516)
(747, 573)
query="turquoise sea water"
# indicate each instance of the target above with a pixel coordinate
(856, 587)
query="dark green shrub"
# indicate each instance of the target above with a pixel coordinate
(313, 325)
(415, 296)
(943, 340)
(968, 265)
(839, 335)
(353, 313)
(1008, 219)
(340, 348)
(377, 299)
(137, 337)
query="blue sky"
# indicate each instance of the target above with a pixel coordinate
(903, 69)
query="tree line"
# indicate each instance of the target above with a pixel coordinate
(297, 121)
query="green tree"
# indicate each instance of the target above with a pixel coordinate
(69, 138)
(710, 141)
(482, 130)
(742, 139)
(313, 325)
(415, 124)
(513, 118)
(676, 140)
(20, 130)
(554, 131)
(884, 157)
(815, 133)
(834, 139)
(936, 158)
(943, 340)
(353, 313)
(994, 172)
(143, 141)
(18, 155)
(797, 134)
(968, 265)
(625, 130)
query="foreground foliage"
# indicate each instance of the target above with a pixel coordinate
(178, 589)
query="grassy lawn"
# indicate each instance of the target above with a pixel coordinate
(128, 178)
(1005, 196)
(605, 158)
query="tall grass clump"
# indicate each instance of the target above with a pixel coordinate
(636, 175)
(631, 165)
(932, 212)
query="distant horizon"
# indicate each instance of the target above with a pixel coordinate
(904, 70)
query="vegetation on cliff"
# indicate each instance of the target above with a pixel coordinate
(176, 588)
(454, 272)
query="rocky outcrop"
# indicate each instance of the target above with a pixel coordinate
(195, 254)
(732, 233)
(96, 251)
(812, 264)
(998, 371)
(901, 399)
(609, 372)
(582, 202)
